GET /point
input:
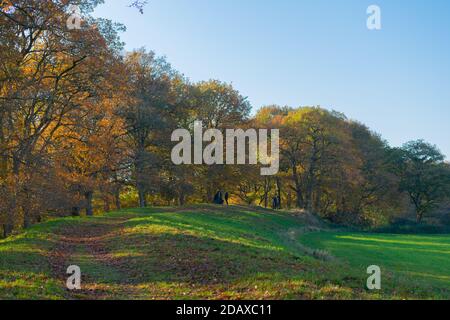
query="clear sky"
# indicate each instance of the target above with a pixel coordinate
(312, 52)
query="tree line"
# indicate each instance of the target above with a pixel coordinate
(84, 126)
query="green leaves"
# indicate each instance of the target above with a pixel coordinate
(423, 174)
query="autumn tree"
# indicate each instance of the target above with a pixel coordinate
(149, 116)
(219, 106)
(47, 72)
(309, 140)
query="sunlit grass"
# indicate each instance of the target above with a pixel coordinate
(423, 259)
(210, 252)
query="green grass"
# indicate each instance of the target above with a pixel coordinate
(423, 260)
(209, 252)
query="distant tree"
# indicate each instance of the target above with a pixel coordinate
(332, 166)
(423, 175)
(219, 106)
(312, 139)
(149, 116)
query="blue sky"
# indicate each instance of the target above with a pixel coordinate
(312, 52)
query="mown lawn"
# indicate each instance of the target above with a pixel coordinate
(422, 260)
(209, 252)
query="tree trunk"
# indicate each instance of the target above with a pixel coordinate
(3, 165)
(106, 205)
(298, 189)
(9, 226)
(7, 230)
(26, 219)
(117, 200)
(308, 200)
(311, 178)
(88, 197)
(289, 200)
(181, 199)
(209, 193)
(299, 201)
(142, 199)
(419, 216)
(13, 207)
(266, 192)
(141, 184)
(3, 155)
(317, 198)
(279, 191)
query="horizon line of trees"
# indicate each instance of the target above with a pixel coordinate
(83, 124)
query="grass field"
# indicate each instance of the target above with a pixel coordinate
(207, 252)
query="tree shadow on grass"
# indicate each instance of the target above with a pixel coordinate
(199, 260)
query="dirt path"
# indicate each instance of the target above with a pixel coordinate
(86, 243)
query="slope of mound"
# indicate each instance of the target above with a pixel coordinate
(198, 252)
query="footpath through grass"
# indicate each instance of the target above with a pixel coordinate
(209, 252)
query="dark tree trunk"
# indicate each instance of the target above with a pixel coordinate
(181, 199)
(3, 156)
(3, 165)
(12, 212)
(317, 199)
(289, 200)
(141, 183)
(419, 216)
(299, 201)
(311, 178)
(210, 193)
(106, 205)
(266, 192)
(298, 189)
(142, 199)
(26, 219)
(279, 191)
(117, 200)
(88, 197)
(7, 230)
